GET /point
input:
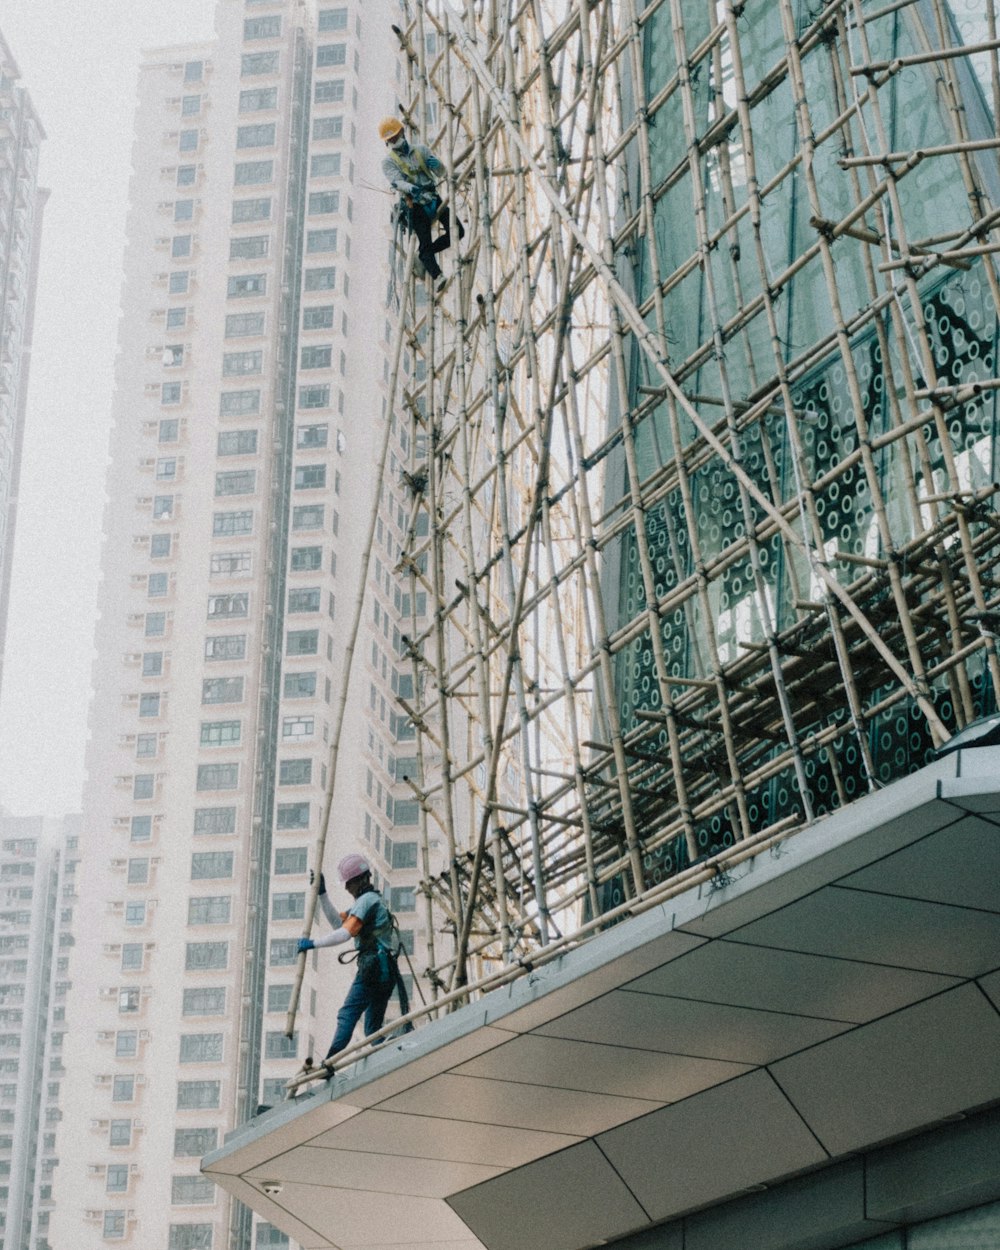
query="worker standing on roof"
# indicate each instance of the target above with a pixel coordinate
(414, 172)
(372, 926)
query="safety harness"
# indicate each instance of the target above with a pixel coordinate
(378, 963)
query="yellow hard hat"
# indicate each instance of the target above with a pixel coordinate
(389, 127)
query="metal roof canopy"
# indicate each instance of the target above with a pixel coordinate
(839, 991)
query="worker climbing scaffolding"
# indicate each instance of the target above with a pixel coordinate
(415, 172)
(376, 939)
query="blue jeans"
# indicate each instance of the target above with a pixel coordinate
(362, 1000)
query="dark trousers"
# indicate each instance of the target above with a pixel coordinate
(361, 1000)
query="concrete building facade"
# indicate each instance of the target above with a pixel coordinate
(254, 358)
(38, 860)
(22, 204)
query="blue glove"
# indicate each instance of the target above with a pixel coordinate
(306, 944)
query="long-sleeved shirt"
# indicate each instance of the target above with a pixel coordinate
(415, 172)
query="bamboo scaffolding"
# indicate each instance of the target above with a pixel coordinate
(691, 573)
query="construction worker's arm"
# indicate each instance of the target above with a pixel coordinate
(349, 929)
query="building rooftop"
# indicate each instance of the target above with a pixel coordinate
(800, 1001)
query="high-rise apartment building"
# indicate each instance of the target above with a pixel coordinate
(38, 860)
(21, 206)
(254, 358)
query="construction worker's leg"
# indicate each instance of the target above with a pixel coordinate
(355, 1005)
(421, 224)
(379, 1001)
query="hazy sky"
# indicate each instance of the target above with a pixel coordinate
(79, 60)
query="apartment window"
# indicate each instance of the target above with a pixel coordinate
(258, 98)
(123, 1089)
(138, 871)
(309, 437)
(310, 476)
(126, 1044)
(120, 1133)
(222, 690)
(253, 64)
(186, 175)
(228, 524)
(331, 92)
(135, 913)
(213, 820)
(302, 642)
(183, 210)
(254, 247)
(142, 828)
(314, 396)
(298, 727)
(156, 585)
(176, 319)
(211, 908)
(331, 54)
(308, 517)
(305, 600)
(205, 1000)
(403, 898)
(295, 771)
(257, 136)
(149, 705)
(178, 282)
(320, 279)
(271, 1238)
(116, 1178)
(236, 482)
(279, 997)
(236, 363)
(192, 1143)
(159, 546)
(291, 860)
(406, 812)
(299, 685)
(114, 1225)
(306, 559)
(221, 733)
(251, 210)
(211, 865)
(200, 1048)
(166, 468)
(278, 1046)
(245, 286)
(226, 647)
(145, 746)
(290, 906)
(128, 1000)
(253, 173)
(316, 357)
(283, 951)
(333, 19)
(132, 952)
(143, 785)
(198, 1095)
(190, 105)
(244, 325)
(218, 777)
(163, 507)
(169, 428)
(322, 240)
(230, 563)
(228, 605)
(293, 816)
(318, 318)
(206, 956)
(187, 141)
(180, 246)
(194, 71)
(170, 392)
(190, 1237)
(261, 28)
(327, 128)
(404, 854)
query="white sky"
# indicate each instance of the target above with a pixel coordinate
(79, 61)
